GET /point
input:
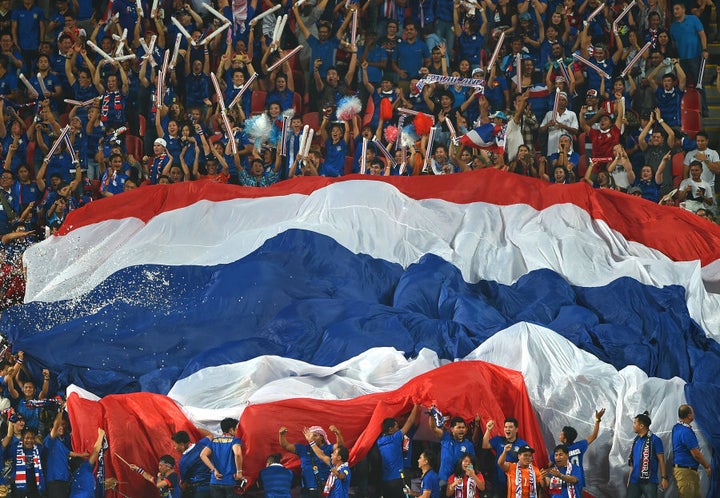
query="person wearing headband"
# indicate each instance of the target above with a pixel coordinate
(166, 480)
(556, 124)
(314, 471)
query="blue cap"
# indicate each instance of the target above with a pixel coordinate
(499, 114)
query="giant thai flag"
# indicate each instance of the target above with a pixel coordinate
(487, 136)
(346, 301)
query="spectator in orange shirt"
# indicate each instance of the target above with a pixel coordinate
(523, 478)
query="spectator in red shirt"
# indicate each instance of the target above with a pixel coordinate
(607, 136)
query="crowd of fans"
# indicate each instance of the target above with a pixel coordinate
(140, 92)
(454, 458)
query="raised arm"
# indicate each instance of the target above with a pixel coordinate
(437, 431)
(599, 413)
(589, 181)
(284, 444)
(346, 22)
(300, 24)
(96, 447)
(486, 436)
(411, 420)
(315, 448)
(352, 65)
(339, 440)
(502, 463)
(661, 167)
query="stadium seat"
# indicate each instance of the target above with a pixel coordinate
(312, 119)
(691, 122)
(691, 100)
(678, 165)
(257, 105)
(297, 103)
(582, 167)
(142, 125)
(349, 165)
(135, 146)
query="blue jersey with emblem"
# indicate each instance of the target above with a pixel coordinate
(335, 153)
(223, 458)
(451, 451)
(314, 471)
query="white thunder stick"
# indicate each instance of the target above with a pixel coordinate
(591, 65)
(154, 7)
(401, 122)
(151, 50)
(31, 89)
(428, 149)
(217, 14)
(283, 135)
(218, 92)
(248, 84)
(635, 59)
(701, 73)
(41, 83)
(100, 51)
(57, 143)
(159, 89)
(299, 3)
(231, 137)
(496, 52)
(303, 139)
(555, 104)
(410, 112)
(73, 102)
(308, 142)
(282, 60)
(138, 6)
(176, 48)
(384, 150)
(276, 29)
(166, 62)
(125, 57)
(214, 34)
(518, 64)
(595, 13)
(450, 126)
(622, 14)
(264, 14)
(121, 46)
(353, 33)
(71, 150)
(182, 29)
(283, 22)
(363, 156)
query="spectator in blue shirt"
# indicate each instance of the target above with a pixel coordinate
(336, 147)
(197, 84)
(471, 37)
(410, 54)
(323, 46)
(276, 480)
(390, 446)
(28, 28)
